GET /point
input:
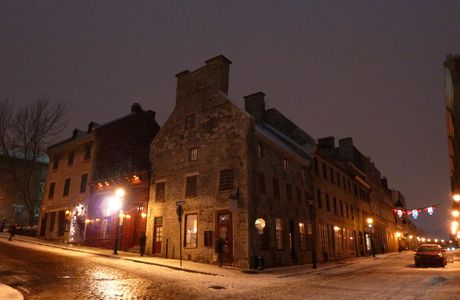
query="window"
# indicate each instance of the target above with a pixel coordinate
(105, 228)
(189, 121)
(193, 154)
(346, 210)
(299, 195)
(285, 165)
(276, 188)
(324, 171)
(352, 212)
(331, 172)
(56, 162)
(302, 236)
(191, 183)
(338, 178)
(51, 191)
(341, 208)
(260, 150)
(70, 158)
(261, 183)
(355, 189)
(226, 180)
(335, 205)
(279, 234)
(288, 192)
(160, 188)
(191, 229)
(328, 203)
(83, 182)
(66, 187)
(318, 198)
(52, 221)
(87, 152)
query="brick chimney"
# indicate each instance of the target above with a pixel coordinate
(254, 104)
(136, 108)
(326, 143)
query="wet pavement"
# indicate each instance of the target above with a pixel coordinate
(42, 275)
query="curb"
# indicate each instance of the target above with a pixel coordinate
(7, 292)
(112, 256)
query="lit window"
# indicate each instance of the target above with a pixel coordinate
(279, 234)
(302, 236)
(191, 227)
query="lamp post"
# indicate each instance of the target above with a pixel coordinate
(313, 234)
(370, 229)
(180, 212)
(115, 204)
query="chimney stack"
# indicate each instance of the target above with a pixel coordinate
(254, 104)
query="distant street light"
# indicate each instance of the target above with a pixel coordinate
(455, 213)
(456, 197)
(115, 203)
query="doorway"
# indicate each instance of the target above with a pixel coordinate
(224, 231)
(157, 235)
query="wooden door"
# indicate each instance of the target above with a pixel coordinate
(224, 230)
(157, 235)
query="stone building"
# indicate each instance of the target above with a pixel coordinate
(86, 168)
(230, 167)
(349, 190)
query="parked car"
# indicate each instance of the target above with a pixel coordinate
(430, 254)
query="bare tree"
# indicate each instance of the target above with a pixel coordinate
(24, 135)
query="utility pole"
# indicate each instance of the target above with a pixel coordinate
(180, 212)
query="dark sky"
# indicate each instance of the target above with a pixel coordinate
(371, 70)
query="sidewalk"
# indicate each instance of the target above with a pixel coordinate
(194, 267)
(7, 292)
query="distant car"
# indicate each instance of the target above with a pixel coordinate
(430, 254)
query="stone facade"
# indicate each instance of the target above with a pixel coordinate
(222, 161)
(349, 189)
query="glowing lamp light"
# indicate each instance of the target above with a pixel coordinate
(430, 210)
(370, 221)
(458, 235)
(398, 234)
(450, 242)
(120, 193)
(442, 241)
(260, 225)
(456, 197)
(423, 239)
(114, 203)
(400, 213)
(411, 237)
(435, 240)
(351, 237)
(429, 240)
(415, 214)
(128, 216)
(87, 221)
(336, 228)
(455, 213)
(143, 215)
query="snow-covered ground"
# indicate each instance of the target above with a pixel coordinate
(390, 276)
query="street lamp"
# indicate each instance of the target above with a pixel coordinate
(115, 204)
(370, 221)
(456, 197)
(455, 213)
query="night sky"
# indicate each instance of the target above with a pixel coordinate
(371, 70)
